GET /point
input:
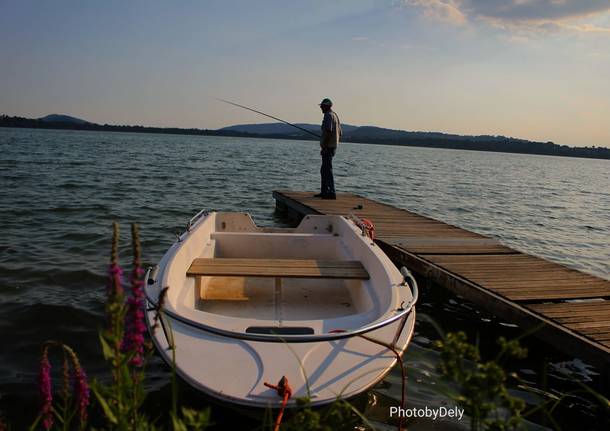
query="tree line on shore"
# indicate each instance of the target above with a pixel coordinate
(497, 144)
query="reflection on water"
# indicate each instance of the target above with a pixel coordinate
(61, 190)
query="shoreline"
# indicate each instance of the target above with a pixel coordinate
(494, 146)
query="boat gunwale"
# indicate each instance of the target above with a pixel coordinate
(173, 310)
(329, 336)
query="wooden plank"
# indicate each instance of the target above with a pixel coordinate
(499, 276)
(529, 297)
(277, 268)
(573, 308)
(584, 317)
(278, 272)
(586, 325)
(524, 278)
(280, 263)
(596, 332)
(550, 286)
(451, 245)
(570, 308)
(532, 274)
(579, 318)
(548, 329)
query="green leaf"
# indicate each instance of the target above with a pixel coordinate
(106, 349)
(177, 424)
(196, 419)
(107, 410)
(34, 426)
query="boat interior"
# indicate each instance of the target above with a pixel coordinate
(303, 274)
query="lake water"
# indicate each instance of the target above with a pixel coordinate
(62, 189)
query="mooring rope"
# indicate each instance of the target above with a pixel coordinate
(285, 391)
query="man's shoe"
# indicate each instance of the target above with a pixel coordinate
(332, 196)
(319, 195)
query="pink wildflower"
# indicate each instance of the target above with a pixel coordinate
(115, 280)
(81, 387)
(46, 392)
(135, 327)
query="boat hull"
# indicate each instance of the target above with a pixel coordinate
(234, 369)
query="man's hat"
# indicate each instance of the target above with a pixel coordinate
(326, 102)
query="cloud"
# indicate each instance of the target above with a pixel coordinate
(535, 10)
(520, 15)
(444, 10)
(587, 28)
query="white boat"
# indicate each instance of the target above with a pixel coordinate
(247, 305)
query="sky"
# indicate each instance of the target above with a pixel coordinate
(533, 69)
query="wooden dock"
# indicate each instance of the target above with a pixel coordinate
(569, 309)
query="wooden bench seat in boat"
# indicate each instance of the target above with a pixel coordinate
(293, 268)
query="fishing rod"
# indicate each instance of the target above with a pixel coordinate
(270, 116)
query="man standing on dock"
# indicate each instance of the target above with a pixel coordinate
(329, 138)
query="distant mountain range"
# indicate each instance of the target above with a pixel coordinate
(62, 118)
(353, 133)
(280, 128)
(356, 134)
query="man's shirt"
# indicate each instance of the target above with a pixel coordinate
(331, 130)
